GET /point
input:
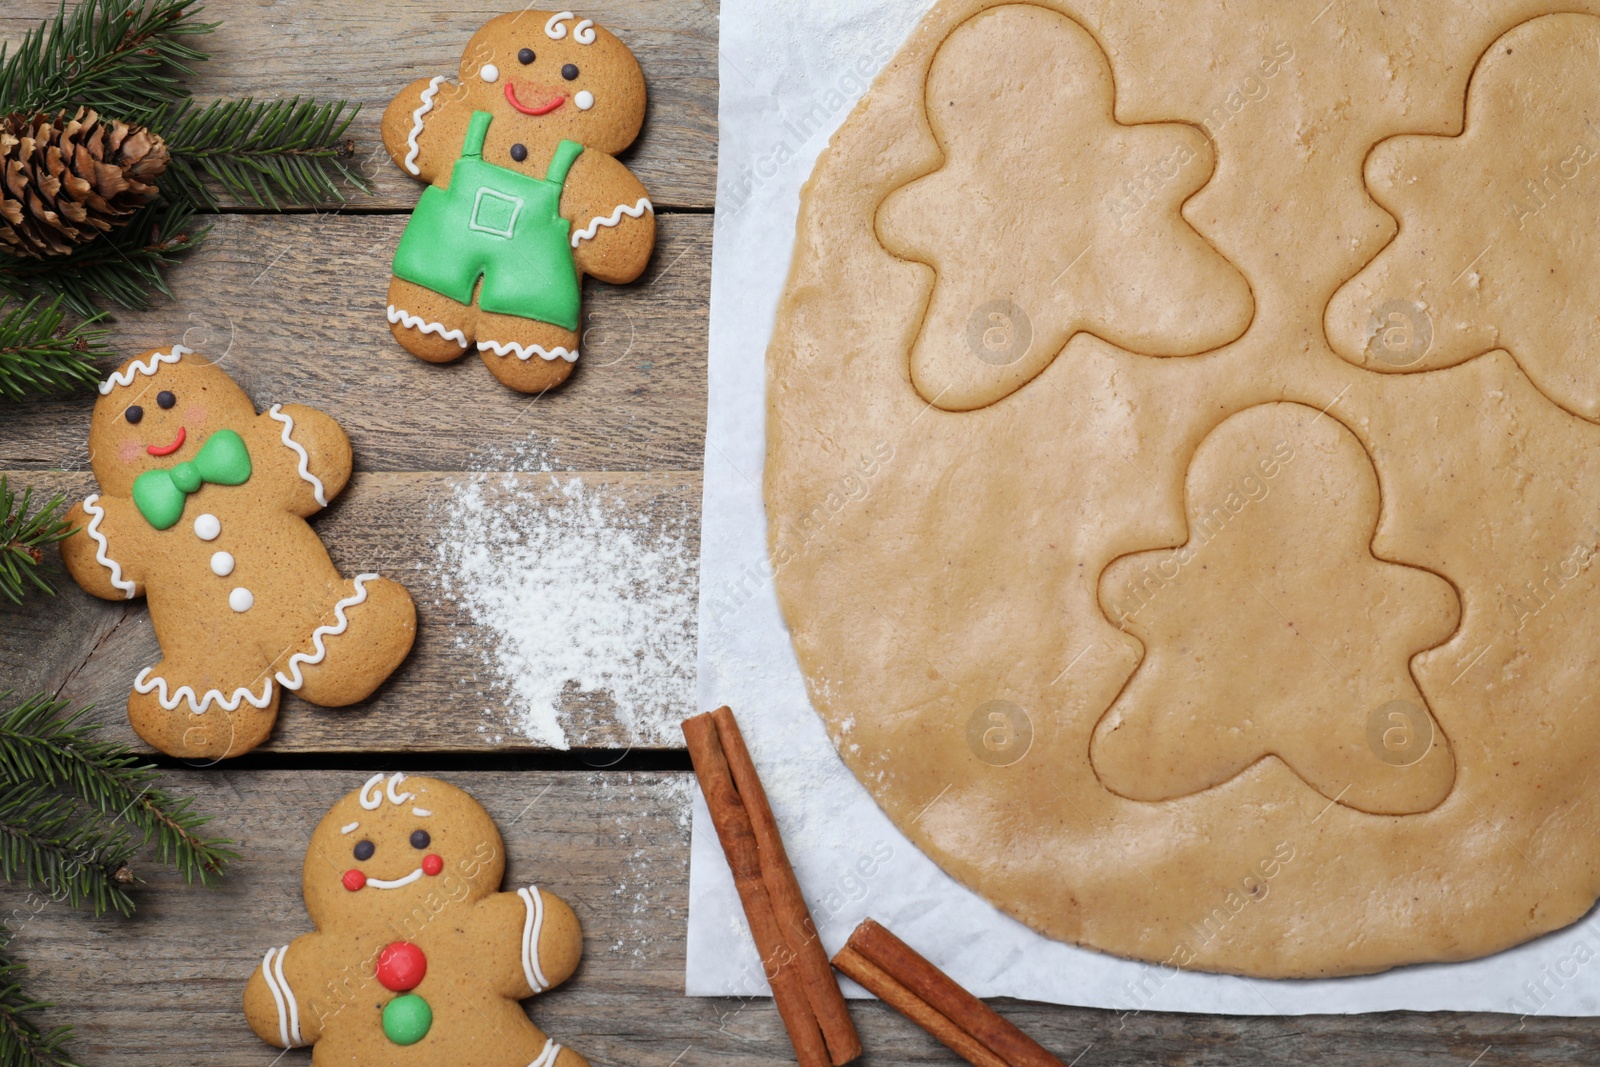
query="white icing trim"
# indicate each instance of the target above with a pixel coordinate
(553, 28)
(276, 411)
(321, 653)
(583, 32)
(377, 799)
(529, 352)
(533, 900)
(421, 813)
(143, 683)
(638, 209)
(417, 322)
(547, 1057)
(395, 780)
(288, 994)
(395, 883)
(352, 828)
(101, 552)
(125, 377)
(283, 997)
(416, 123)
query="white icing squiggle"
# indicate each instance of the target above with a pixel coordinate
(369, 798)
(125, 377)
(102, 545)
(553, 28)
(198, 704)
(640, 206)
(276, 411)
(547, 1057)
(531, 926)
(350, 829)
(290, 677)
(529, 352)
(283, 997)
(421, 813)
(417, 322)
(393, 782)
(416, 123)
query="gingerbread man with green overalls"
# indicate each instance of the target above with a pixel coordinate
(525, 195)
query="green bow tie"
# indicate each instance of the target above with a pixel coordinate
(159, 495)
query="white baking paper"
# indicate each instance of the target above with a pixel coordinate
(790, 72)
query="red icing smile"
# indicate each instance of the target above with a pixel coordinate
(543, 109)
(167, 450)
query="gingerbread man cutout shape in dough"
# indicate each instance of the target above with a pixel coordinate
(418, 959)
(202, 509)
(525, 195)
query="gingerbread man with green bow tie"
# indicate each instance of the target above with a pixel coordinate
(202, 510)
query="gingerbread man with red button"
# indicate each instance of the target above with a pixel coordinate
(202, 510)
(418, 959)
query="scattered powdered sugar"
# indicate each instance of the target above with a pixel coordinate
(581, 602)
(652, 815)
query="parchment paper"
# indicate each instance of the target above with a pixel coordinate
(789, 75)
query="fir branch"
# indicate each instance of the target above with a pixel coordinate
(22, 1043)
(260, 151)
(23, 538)
(38, 744)
(123, 267)
(38, 356)
(121, 57)
(51, 843)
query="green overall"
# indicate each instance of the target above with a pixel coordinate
(496, 224)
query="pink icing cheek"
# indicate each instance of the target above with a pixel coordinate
(195, 415)
(128, 451)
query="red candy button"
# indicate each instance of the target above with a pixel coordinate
(432, 864)
(401, 966)
(354, 879)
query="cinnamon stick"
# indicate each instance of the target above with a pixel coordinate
(788, 903)
(881, 985)
(738, 839)
(936, 989)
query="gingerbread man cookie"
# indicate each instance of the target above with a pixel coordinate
(202, 509)
(418, 959)
(525, 195)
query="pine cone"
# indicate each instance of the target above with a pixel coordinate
(63, 182)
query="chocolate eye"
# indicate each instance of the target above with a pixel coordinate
(420, 839)
(569, 71)
(134, 414)
(519, 152)
(364, 850)
(525, 56)
(165, 399)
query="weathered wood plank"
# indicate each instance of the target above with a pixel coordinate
(445, 698)
(331, 51)
(165, 987)
(295, 308)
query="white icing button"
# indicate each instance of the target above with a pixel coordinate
(222, 564)
(207, 527)
(490, 73)
(584, 99)
(241, 599)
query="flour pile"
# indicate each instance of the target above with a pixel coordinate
(580, 602)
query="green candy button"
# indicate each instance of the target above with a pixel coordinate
(406, 1019)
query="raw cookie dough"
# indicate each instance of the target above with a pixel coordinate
(1382, 752)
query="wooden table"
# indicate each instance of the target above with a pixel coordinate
(295, 301)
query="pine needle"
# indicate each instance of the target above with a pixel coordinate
(260, 151)
(37, 356)
(23, 538)
(38, 744)
(124, 58)
(22, 1043)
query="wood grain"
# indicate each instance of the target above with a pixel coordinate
(443, 698)
(368, 52)
(165, 987)
(293, 307)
